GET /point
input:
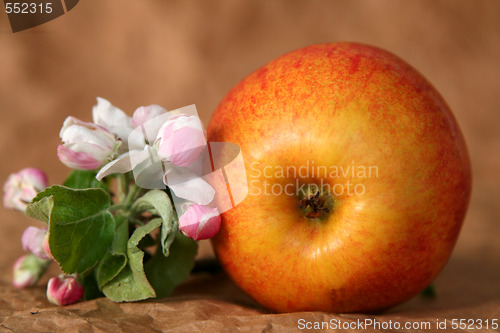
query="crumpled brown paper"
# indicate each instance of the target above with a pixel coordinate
(212, 303)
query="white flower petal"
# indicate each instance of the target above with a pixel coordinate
(189, 186)
(151, 127)
(96, 136)
(123, 164)
(75, 130)
(69, 121)
(112, 118)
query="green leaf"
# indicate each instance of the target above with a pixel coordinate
(40, 209)
(82, 179)
(81, 229)
(165, 273)
(131, 284)
(116, 259)
(157, 202)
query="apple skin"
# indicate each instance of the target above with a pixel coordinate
(335, 104)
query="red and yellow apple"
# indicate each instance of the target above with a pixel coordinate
(368, 137)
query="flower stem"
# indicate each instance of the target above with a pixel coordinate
(121, 187)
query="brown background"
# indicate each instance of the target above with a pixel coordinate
(176, 53)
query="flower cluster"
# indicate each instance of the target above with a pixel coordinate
(100, 223)
(177, 140)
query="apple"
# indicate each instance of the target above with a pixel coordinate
(359, 180)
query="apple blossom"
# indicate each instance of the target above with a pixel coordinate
(153, 144)
(86, 146)
(32, 241)
(181, 139)
(151, 168)
(64, 290)
(21, 187)
(28, 269)
(200, 222)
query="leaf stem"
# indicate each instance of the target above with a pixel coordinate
(116, 207)
(136, 221)
(133, 190)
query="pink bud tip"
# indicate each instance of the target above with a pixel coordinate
(46, 248)
(181, 140)
(63, 290)
(145, 113)
(200, 222)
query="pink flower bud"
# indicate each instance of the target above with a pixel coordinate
(181, 140)
(32, 241)
(200, 222)
(21, 187)
(145, 113)
(28, 269)
(86, 146)
(64, 290)
(149, 119)
(46, 248)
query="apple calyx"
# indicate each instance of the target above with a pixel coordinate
(315, 202)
